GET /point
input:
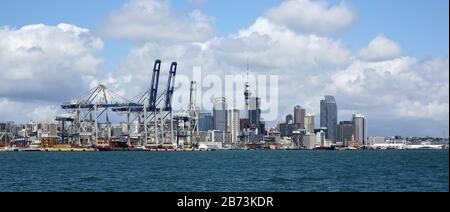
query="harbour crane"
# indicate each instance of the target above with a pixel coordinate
(90, 109)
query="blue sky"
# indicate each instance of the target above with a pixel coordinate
(421, 27)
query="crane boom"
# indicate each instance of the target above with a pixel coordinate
(170, 86)
(154, 86)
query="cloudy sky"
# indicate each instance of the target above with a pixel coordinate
(385, 59)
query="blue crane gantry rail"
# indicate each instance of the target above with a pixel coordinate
(153, 93)
(102, 98)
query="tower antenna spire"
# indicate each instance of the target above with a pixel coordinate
(247, 92)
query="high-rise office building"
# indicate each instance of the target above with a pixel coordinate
(328, 117)
(289, 119)
(234, 125)
(299, 116)
(360, 129)
(220, 114)
(310, 122)
(255, 112)
(205, 122)
(287, 130)
(345, 132)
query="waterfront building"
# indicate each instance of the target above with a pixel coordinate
(345, 132)
(328, 117)
(310, 122)
(320, 138)
(287, 130)
(7, 127)
(255, 112)
(46, 130)
(220, 114)
(360, 129)
(299, 116)
(244, 124)
(376, 140)
(205, 122)
(262, 128)
(309, 141)
(234, 125)
(216, 136)
(31, 126)
(116, 131)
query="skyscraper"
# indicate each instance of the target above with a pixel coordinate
(255, 112)
(360, 129)
(328, 117)
(345, 132)
(309, 122)
(299, 116)
(220, 114)
(234, 124)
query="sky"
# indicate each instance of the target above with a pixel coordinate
(385, 59)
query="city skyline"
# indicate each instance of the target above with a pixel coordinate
(393, 73)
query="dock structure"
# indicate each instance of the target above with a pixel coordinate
(149, 119)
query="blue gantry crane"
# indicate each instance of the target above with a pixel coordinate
(154, 86)
(170, 87)
(149, 110)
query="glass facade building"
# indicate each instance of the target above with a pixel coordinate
(205, 122)
(328, 117)
(345, 132)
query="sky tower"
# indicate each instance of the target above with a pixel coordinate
(247, 94)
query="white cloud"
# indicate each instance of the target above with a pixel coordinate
(23, 112)
(41, 66)
(435, 110)
(269, 45)
(379, 49)
(402, 88)
(309, 16)
(268, 48)
(153, 20)
(46, 113)
(309, 67)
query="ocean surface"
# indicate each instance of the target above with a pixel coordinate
(392, 171)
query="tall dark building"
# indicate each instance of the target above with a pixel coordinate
(287, 130)
(254, 112)
(289, 119)
(244, 124)
(220, 114)
(262, 128)
(345, 132)
(299, 116)
(328, 117)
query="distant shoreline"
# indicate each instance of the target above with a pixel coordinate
(222, 150)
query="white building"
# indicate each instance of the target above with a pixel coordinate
(309, 141)
(234, 125)
(320, 139)
(309, 122)
(376, 140)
